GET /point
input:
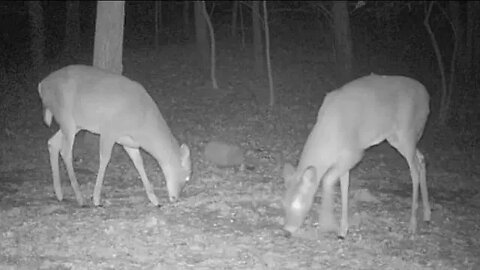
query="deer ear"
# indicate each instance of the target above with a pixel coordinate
(184, 155)
(309, 174)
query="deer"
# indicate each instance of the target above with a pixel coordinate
(119, 110)
(351, 119)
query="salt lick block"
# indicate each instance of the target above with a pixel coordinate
(223, 154)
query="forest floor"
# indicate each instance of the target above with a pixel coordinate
(227, 218)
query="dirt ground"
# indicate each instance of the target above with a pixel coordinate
(227, 218)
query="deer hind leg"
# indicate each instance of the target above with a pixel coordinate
(54, 148)
(423, 186)
(105, 149)
(344, 184)
(406, 145)
(68, 131)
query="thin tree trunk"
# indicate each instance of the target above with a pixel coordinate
(242, 26)
(454, 8)
(201, 35)
(443, 112)
(460, 63)
(37, 36)
(158, 23)
(475, 43)
(186, 19)
(267, 52)
(212, 47)
(343, 41)
(233, 30)
(257, 39)
(72, 28)
(471, 18)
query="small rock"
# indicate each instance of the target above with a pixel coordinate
(223, 154)
(363, 195)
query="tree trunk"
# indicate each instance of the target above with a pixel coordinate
(213, 65)
(72, 29)
(158, 23)
(444, 108)
(186, 19)
(343, 42)
(257, 38)
(233, 30)
(475, 43)
(267, 53)
(108, 50)
(471, 19)
(459, 106)
(470, 53)
(242, 26)
(454, 10)
(37, 36)
(201, 36)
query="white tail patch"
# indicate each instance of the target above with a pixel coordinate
(47, 117)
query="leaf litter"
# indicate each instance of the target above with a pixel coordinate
(227, 218)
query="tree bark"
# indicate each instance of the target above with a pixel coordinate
(343, 42)
(257, 39)
(108, 50)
